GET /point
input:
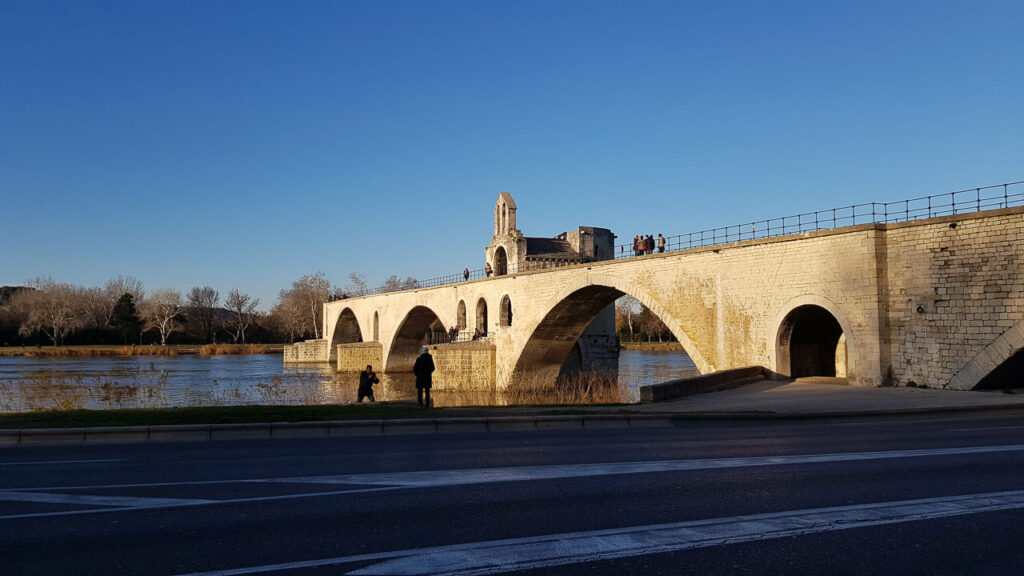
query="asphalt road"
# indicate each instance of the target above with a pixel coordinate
(894, 495)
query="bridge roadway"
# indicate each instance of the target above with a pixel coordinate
(936, 302)
(889, 495)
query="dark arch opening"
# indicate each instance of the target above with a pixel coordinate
(505, 311)
(809, 344)
(420, 327)
(562, 344)
(500, 262)
(346, 331)
(481, 316)
(376, 327)
(460, 316)
(1009, 374)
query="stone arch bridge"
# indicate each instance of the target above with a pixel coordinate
(936, 302)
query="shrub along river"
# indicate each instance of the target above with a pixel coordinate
(51, 383)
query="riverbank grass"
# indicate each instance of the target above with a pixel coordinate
(149, 350)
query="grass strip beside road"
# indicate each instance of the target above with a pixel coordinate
(210, 415)
(267, 414)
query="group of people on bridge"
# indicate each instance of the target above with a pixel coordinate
(645, 244)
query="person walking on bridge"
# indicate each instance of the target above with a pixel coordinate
(661, 243)
(423, 369)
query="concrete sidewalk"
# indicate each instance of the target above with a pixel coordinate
(827, 396)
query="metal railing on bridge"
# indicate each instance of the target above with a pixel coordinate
(950, 203)
(960, 202)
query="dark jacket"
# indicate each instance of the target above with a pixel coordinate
(366, 382)
(423, 368)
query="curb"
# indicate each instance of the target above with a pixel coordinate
(469, 425)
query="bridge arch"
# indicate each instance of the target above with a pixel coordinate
(812, 338)
(481, 315)
(346, 329)
(553, 338)
(994, 366)
(376, 326)
(411, 336)
(505, 311)
(460, 315)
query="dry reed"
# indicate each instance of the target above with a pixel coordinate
(224, 349)
(111, 351)
(583, 388)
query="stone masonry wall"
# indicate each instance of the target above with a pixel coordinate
(306, 352)
(954, 287)
(356, 356)
(464, 366)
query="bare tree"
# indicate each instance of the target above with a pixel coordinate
(119, 286)
(161, 309)
(357, 284)
(289, 315)
(312, 290)
(202, 304)
(626, 308)
(395, 284)
(95, 307)
(650, 324)
(51, 308)
(243, 309)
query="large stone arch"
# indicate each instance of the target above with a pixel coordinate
(407, 340)
(988, 360)
(551, 338)
(778, 326)
(346, 329)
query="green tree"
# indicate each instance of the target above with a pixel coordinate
(124, 318)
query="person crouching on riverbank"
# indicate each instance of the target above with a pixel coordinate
(366, 381)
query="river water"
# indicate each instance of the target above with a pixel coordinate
(47, 383)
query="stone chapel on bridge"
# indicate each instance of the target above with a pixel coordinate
(510, 252)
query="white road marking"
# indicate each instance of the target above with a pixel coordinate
(180, 503)
(499, 556)
(441, 478)
(90, 499)
(981, 429)
(51, 462)
(528, 473)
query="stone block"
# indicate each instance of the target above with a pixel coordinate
(180, 433)
(9, 437)
(356, 428)
(462, 425)
(117, 435)
(299, 429)
(52, 436)
(559, 422)
(418, 426)
(512, 423)
(240, 431)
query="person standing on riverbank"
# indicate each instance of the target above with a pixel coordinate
(366, 381)
(424, 369)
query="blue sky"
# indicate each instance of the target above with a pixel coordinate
(244, 144)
